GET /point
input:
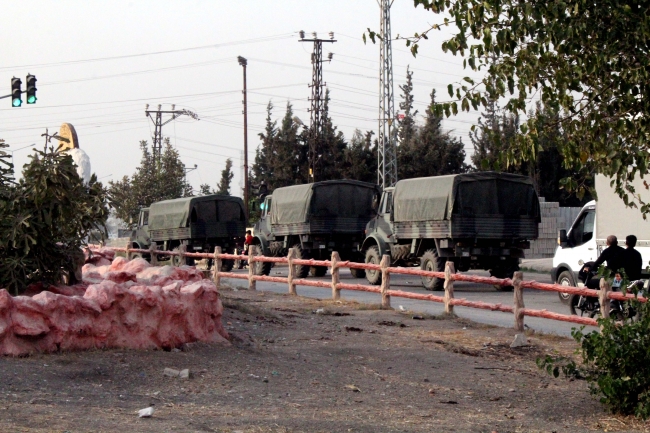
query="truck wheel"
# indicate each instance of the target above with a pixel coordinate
(565, 279)
(260, 268)
(431, 262)
(318, 271)
(301, 271)
(358, 273)
(373, 257)
(503, 273)
(227, 265)
(176, 260)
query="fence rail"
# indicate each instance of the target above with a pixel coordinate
(518, 308)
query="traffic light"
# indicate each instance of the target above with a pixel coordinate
(30, 86)
(16, 92)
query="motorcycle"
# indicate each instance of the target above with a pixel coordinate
(590, 306)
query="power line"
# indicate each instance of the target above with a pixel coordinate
(154, 53)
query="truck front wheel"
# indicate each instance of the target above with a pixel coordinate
(431, 262)
(565, 279)
(358, 273)
(301, 271)
(374, 258)
(260, 268)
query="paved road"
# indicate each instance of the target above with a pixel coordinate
(475, 292)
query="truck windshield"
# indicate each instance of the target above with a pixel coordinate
(583, 229)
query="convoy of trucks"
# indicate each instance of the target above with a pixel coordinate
(481, 220)
(598, 219)
(316, 219)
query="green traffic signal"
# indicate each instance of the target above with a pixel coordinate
(16, 92)
(30, 84)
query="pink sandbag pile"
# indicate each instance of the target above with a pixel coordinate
(126, 304)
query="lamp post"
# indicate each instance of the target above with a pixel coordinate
(243, 62)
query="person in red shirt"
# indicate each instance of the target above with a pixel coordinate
(249, 240)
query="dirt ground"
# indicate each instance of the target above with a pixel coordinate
(303, 365)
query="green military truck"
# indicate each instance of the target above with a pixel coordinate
(481, 220)
(199, 223)
(316, 219)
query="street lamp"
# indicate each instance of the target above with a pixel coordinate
(243, 62)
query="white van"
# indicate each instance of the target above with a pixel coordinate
(598, 219)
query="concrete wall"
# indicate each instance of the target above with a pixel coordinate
(554, 218)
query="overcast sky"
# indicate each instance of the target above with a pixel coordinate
(99, 63)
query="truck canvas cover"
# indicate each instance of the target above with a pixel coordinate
(614, 218)
(466, 195)
(329, 199)
(171, 214)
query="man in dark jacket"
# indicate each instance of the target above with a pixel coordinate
(632, 261)
(613, 255)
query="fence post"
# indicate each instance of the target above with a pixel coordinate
(449, 287)
(252, 252)
(385, 281)
(603, 299)
(336, 293)
(153, 255)
(128, 253)
(181, 255)
(216, 263)
(291, 273)
(518, 301)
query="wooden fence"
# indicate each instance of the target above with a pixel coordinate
(518, 308)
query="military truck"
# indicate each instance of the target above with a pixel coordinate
(200, 223)
(316, 219)
(481, 220)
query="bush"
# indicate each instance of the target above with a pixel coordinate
(45, 218)
(615, 362)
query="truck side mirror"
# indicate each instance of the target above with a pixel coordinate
(562, 239)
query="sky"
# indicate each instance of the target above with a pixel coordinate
(99, 63)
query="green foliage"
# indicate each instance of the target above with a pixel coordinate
(44, 220)
(153, 181)
(588, 62)
(281, 157)
(430, 151)
(615, 362)
(360, 158)
(226, 177)
(407, 130)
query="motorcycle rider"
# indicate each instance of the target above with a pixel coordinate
(633, 263)
(613, 255)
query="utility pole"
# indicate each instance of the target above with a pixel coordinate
(387, 154)
(317, 100)
(158, 124)
(243, 62)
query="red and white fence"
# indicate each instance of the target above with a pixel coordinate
(449, 275)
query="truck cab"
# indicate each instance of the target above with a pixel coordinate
(262, 228)
(140, 238)
(576, 247)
